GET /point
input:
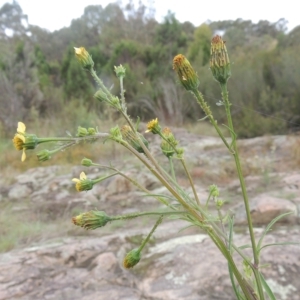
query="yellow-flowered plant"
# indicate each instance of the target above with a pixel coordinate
(178, 202)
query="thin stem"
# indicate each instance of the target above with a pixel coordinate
(185, 169)
(243, 187)
(207, 112)
(246, 288)
(151, 232)
(190, 180)
(135, 183)
(172, 168)
(147, 213)
(222, 225)
(100, 82)
(122, 95)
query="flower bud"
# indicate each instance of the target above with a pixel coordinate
(91, 131)
(86, 162)
(168, 145)
(43, 155)
(132, 258)
(91, 220)
(219, 60)
(186, 74)
(81, 131)
(101, 96)
(132, 138)
(120, 71)
(84, 58)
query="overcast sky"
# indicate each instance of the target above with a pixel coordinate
(55, 14)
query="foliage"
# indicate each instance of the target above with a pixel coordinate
(266, 65)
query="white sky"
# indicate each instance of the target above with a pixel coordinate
(55, 14)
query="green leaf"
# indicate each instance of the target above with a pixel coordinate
(245, 246)
(268, 228)
(280, 244)
(266, 287)
(237, 293)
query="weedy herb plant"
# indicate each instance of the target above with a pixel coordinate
(247, 280)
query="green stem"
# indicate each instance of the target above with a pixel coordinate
(206, 109)
(122, 95)
(100, 82)
(185, 169)
(151, 232)
(190, 180)
(245, 287)
(147, 213)
(244, 191)
(172, 168)
(135, 183)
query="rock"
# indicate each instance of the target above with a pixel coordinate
(19, 192)
(174, 267)
(264, 208)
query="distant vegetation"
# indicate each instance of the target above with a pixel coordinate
(41, 80)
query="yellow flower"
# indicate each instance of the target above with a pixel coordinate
(83, 183)
(84, 57)
(19, 139)
(153, 126)
(185, 72)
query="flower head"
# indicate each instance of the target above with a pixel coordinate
(120, 71)
(24, 141)
(186, 74)
(168, 145)
(133, 138)
(219, 60)
(86, 162)
(153, 126)
(44, 155)
(83, 183)
(91, 220)
(84, 58)
(132, 258)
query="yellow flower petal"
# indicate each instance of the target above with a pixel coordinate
(82, 176)
(76, 180)
(21, 127)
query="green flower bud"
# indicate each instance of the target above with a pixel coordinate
(132, 138)
(219, 60)
(168, 145)
(86, 162)
(91, 220)
(120, 71)
(81, 132)
(44, 155)
(132, 258)
(186, 74)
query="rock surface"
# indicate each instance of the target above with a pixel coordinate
(176, 264)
